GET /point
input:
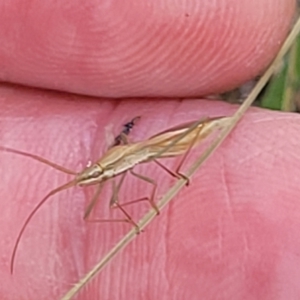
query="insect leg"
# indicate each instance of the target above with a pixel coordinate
(172, 173)
(185, 156)
(151, 199)
(93, 201)
(177, 172)
(40, 159)
(115, 194)
(113, 202)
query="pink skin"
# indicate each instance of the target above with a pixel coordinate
(232, 234)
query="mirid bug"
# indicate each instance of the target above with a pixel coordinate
(121, 159)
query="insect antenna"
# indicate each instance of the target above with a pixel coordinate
(33, 212)
(40, 159)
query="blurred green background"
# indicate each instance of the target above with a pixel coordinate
(283, 90)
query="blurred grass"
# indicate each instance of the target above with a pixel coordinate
(282, 92)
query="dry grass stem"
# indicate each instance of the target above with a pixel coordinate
(171, 193)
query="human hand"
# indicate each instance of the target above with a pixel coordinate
(231, 234)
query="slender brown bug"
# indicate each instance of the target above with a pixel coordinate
(120, 159)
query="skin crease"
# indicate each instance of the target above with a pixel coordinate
(232, 234)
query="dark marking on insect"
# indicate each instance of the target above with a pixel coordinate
(126, 130)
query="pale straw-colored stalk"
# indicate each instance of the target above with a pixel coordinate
(172, 192)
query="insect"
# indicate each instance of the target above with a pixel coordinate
(121, 159)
